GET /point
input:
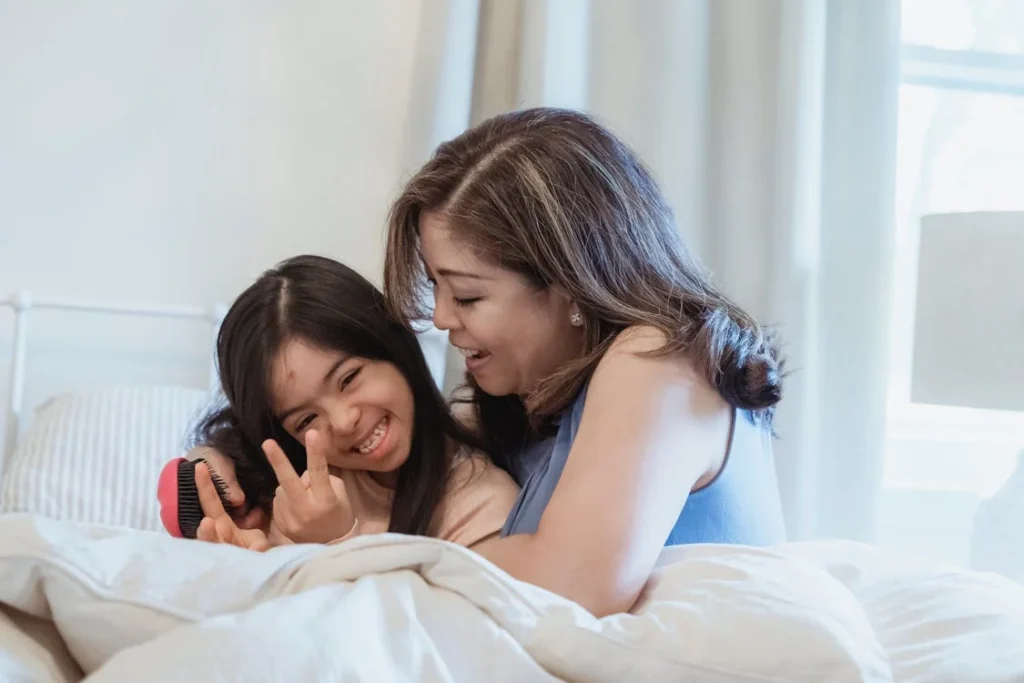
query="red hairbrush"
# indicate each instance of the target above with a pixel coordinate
(180, 510)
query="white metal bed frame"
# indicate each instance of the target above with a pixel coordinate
(22, 303)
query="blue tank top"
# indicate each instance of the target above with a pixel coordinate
(739, 506)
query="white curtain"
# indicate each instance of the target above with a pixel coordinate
(771, 126)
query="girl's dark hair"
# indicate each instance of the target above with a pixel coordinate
(556, 197)
(330, 306)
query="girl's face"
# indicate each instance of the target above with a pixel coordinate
(362, 409)
(512, 334)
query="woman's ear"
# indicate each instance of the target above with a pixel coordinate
(561, 304)
(559, 296)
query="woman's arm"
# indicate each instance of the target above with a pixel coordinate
(651, 429)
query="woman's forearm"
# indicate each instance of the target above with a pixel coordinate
(598, 589)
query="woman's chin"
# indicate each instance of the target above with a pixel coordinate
(495, 386)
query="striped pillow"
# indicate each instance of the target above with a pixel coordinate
(95, 457)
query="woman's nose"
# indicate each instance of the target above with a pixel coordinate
(444, 315)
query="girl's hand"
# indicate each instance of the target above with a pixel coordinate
(217, 525)
(313, 508)
(255, 518)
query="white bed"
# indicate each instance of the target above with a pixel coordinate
(90, 585)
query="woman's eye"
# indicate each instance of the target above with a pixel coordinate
(466, 302)
(348, 379)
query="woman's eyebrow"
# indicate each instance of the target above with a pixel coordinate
(449, 272)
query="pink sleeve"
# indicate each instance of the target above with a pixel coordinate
(478, 502)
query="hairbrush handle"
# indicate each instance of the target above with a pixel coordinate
(167, 495)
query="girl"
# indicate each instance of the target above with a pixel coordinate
(627, 395)
(317, 375)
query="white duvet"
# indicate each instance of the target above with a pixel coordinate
(140, 606)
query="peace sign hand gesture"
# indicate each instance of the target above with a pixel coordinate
(313, 508)
(217, 525)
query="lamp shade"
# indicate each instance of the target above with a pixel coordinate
(969, 320)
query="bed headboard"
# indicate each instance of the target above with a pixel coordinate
(23, 303)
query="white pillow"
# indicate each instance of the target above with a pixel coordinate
(96, 456)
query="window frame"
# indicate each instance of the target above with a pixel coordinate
(975, 71)
(968, 70)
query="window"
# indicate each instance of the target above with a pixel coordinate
(960, 148)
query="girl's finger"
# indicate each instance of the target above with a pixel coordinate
(227, 532)
(207, 531)
(253, 519)
(282, 467)
(282, 513)
(223, 467)
(316, 466)
(257, 541)
(208, 498)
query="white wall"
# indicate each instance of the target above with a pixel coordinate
(167, 152)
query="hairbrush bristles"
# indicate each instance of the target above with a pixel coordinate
(190, 510)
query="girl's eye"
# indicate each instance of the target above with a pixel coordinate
(466, 302)
(350, 377)
(304, 422)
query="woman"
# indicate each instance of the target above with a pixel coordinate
(341, 395)
(629, 398)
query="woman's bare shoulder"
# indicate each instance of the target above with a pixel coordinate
(638, 339)
(635, 348)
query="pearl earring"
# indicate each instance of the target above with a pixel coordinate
(576, 319)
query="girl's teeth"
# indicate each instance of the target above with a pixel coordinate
(374, 440)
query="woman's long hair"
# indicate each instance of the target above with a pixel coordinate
(554, 196)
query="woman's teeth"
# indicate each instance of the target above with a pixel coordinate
(470, 353)
(372, 441)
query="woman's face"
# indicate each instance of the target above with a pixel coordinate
(362, 409)
(511, 333)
